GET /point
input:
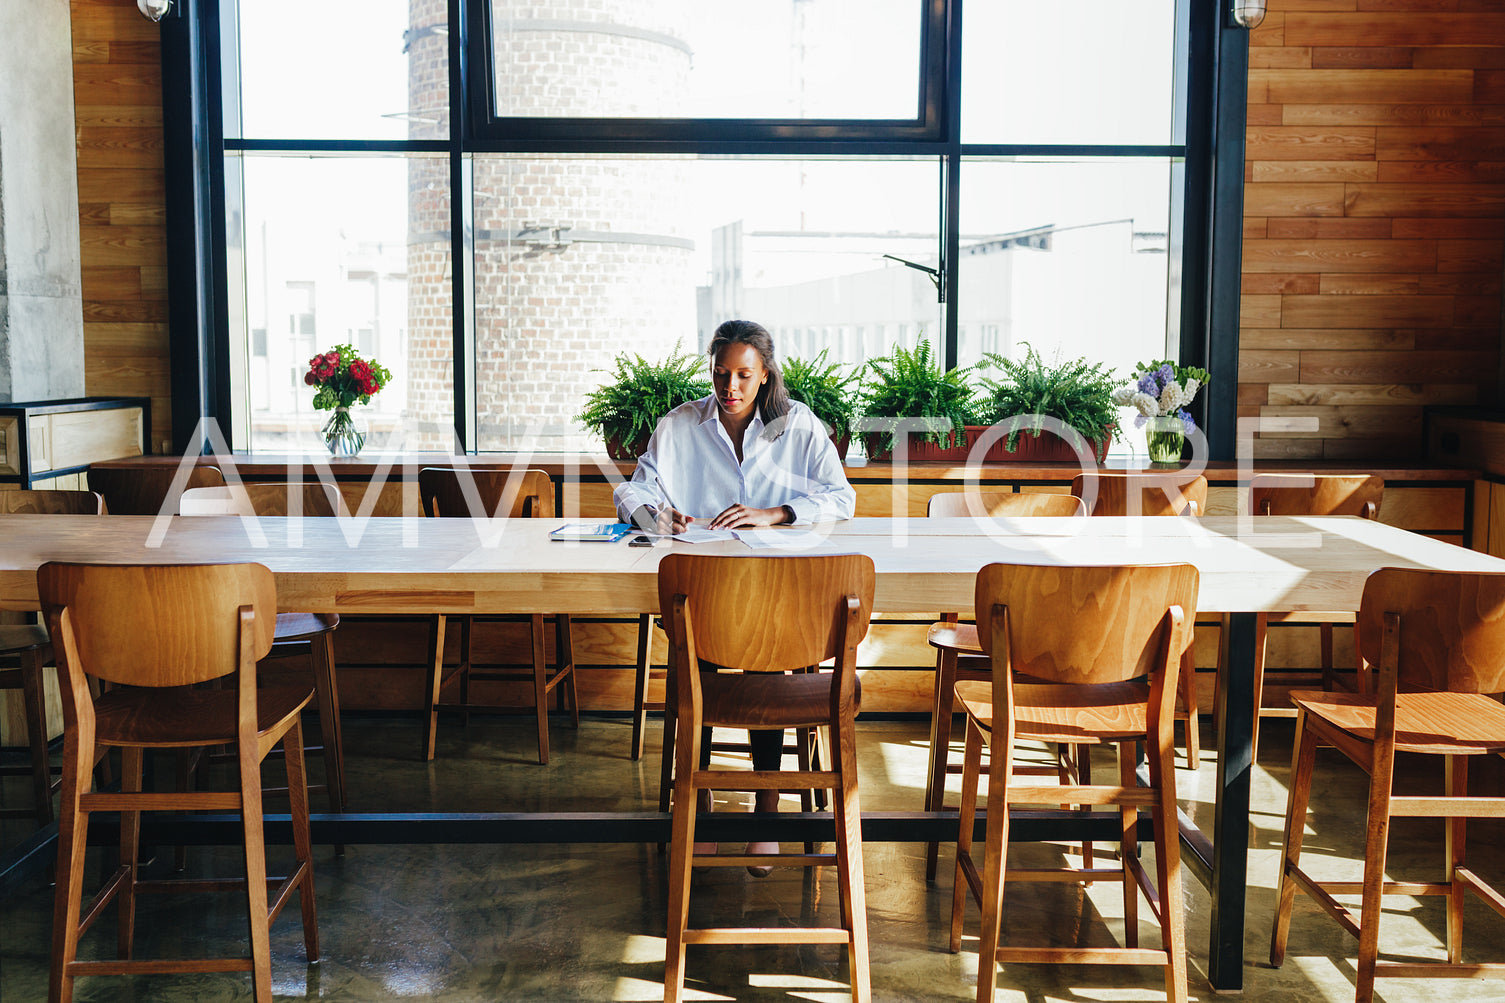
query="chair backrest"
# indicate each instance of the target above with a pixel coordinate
(49, 502)
(1452, 628)
(1316, 494)
(768, 614)
(530, 493)
(142, 490)
(158, 624)
(1002, 504)
(1086, 624)
(269, 498)
(1170, 493)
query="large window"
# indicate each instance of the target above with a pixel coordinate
(623, 175)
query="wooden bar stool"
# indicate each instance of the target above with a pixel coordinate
(1086, 637)
(812, 609)
(1156, 493)
(959, 654)
(157, 630)
(1306, 494)
(297, 633)
(25, 651)
(1438, 640)
(481, 494)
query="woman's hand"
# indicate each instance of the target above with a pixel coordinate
(740, 516)
(664, 521)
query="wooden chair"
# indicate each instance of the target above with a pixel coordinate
(1438, 640)
(157, 630)
(1159, 494)
(1306, 494)
(142, 490)
(25, 650)
(958, 652)
(813, 608)
(1086, 635)
(449, 493)
(297, 633)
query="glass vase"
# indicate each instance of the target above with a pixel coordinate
(344, 434)
(1163, 439)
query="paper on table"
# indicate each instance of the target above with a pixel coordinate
(693, 534)
(760, 539)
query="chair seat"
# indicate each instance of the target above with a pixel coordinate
(768, 699)
(958, 637)
(1311, 616)
(15, 639)
(185, 716)
(1462, 724)
(302, 626)
(1076, 715)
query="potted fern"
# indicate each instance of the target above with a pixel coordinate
(625, 411)
(1077, 393)
(827, 390)
(912, 384)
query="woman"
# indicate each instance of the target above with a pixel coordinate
(746, 456)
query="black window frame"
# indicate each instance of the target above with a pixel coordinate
(1206, 154)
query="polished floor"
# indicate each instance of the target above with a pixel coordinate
(585, 922)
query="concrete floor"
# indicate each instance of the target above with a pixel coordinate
(585, 922)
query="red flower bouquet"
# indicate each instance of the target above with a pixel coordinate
(344, 379)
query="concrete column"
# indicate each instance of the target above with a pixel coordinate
(41, 303)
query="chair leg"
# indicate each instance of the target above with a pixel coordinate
(995, 861)
(564, 661)
(942, 706)
(130, 843)
(252, 821)
(1188, 680)
(1128, 841)
(640, 685)
(297, 795)
(1381, 778)
(1329, 674)
(321, 652)
(32, 699)
(540, 687)
(466, 625)
(72, 842)
(435, 679)
(1162, 764)
(1454, 845)
(666, 754)
(1303, 758)
(849, 870)
(1261, 639)
(681, 850)
(971, 768)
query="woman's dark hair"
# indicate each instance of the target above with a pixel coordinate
(773, 399)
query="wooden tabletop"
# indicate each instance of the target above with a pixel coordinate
(443, 565)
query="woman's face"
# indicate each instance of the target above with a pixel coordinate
(736, 373)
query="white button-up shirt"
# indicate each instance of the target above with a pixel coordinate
(692, 455)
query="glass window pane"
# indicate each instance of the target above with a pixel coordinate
(345, 251)
(1068, 71)
(314, 71)
(1067, 257)
(778, 59)
(579, 258)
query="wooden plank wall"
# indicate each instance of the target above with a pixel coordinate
(1374, 220)
(117, 93)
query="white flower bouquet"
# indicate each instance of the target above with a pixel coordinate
(1163, 389)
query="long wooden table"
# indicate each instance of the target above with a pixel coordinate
(459, 566)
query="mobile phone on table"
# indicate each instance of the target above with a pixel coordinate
(640, 541)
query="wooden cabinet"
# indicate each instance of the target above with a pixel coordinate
(50, 444)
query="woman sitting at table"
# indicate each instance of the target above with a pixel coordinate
(746, 456)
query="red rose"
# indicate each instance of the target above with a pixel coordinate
(360, 370)
(310, 379)
(333, 358)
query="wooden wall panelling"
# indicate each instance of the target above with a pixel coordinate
(117, 91)
(1397, 300)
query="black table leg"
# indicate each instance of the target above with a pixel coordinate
(1230, 856)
